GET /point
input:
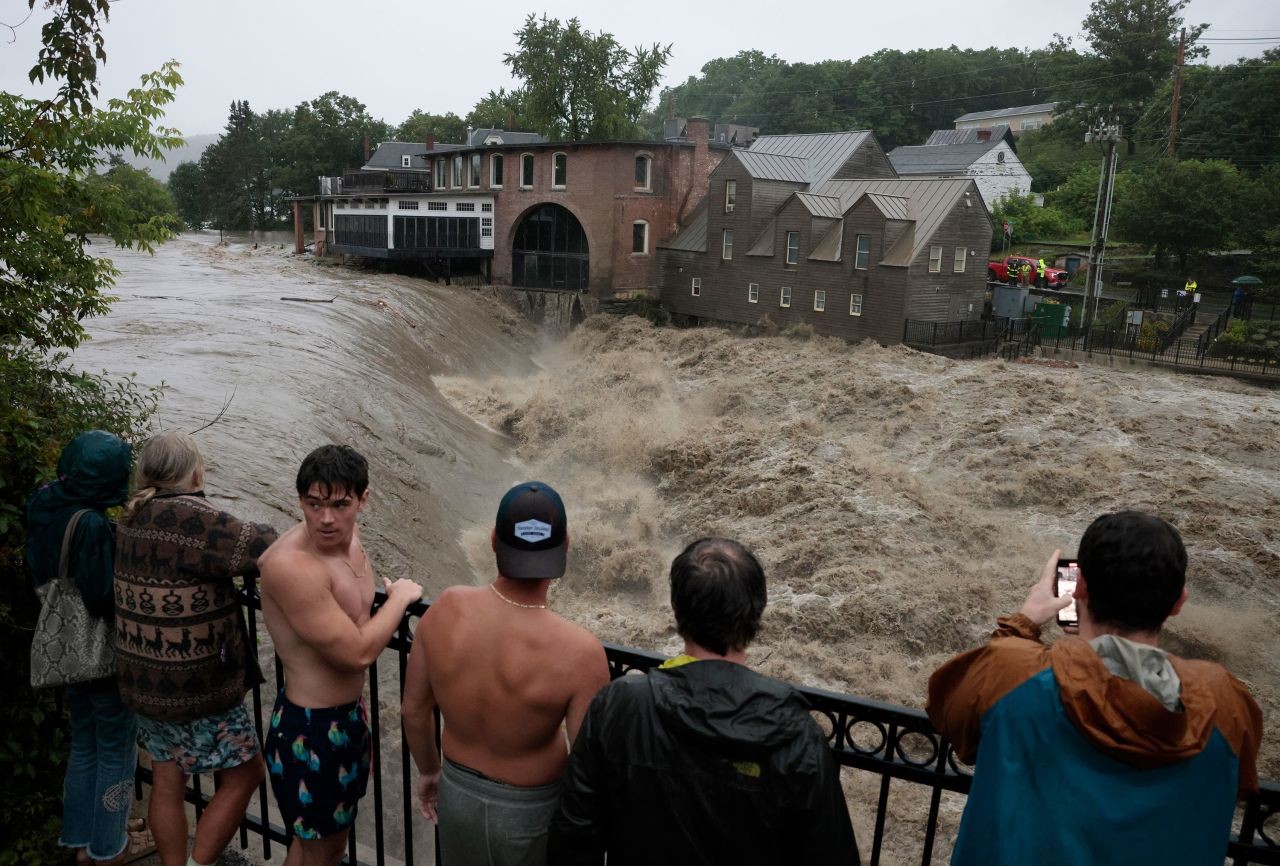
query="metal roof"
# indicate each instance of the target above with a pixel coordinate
(929, 201)
(821, 205)
(693, 237)
(938, 158)
(1008, 112)
(970, 135)
(823, 153)
(768, 166)
(478, 137)
(894, 207)
(389, 152)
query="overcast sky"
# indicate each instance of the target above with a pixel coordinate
(398, 55)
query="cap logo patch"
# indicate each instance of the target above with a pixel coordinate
(532, 530)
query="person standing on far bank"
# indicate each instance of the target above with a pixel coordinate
(183, 652)
(93, 475)
(507, 674)
(317, 593)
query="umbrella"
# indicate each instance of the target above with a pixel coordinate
(1246, 281)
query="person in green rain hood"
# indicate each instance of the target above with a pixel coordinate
(93, 475)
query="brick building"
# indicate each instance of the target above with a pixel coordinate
(577, 216)
(819, 229)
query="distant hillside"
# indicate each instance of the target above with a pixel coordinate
(190, 152)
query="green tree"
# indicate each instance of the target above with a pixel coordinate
(186, 186)
(233, 168)
(326, 138)
(499, 109)
(51, 201)
(1030, 221)
(1182, 207)
(1137, 43)
(447, 128)
(141, 196)
(583, 85)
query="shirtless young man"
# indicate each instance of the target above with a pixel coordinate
(505, 672)
(317, 591)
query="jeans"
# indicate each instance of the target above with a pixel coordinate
(99, 783)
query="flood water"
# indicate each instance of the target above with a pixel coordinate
(898, 501)
(209, 322)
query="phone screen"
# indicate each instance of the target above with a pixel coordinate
(1068, 574)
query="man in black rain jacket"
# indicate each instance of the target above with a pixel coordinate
(703, 761)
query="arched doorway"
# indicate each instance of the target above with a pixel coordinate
(549, 251)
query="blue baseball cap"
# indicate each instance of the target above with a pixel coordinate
(531, 533)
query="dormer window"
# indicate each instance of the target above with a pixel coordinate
(406, 161)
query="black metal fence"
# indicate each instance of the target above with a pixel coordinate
(897, 744)
(1189, 354)
(917, 333)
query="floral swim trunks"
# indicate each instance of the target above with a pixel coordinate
(205, 745)
(318, 760)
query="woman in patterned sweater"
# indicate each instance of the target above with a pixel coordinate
(183, 654)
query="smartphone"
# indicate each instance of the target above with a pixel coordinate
(1068, 574)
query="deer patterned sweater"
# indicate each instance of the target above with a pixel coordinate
(182, 648)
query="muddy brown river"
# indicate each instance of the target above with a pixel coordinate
(898, 501)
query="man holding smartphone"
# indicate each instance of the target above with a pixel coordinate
(1101, 748)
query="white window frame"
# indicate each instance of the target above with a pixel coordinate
(784, 297)
(496, 164)
(855, 305)
(819, 300)
(406, 161)
(935, 259)
(486, 227)
(726, 245)
(961, 256)
(861, 255)
(644, 251)
(559, 164)
(730, 195)
(753, 293)
(455, 174)
(695, 287)
(442, 173)
(532, 171)
(475, 170)
(793, 249)
(647, 186)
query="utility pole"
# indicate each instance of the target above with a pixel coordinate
(1177, 94)
(1110, 133)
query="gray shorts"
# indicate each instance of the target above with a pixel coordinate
(484, 822)
(205, 745)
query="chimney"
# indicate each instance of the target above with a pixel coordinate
(431, 142)
(366, 149)
(698, 130)
(984, 135)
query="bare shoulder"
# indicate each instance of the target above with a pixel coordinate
(291, 570)
(448, 600)
(578, 644)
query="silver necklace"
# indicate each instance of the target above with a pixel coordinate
(494, 587)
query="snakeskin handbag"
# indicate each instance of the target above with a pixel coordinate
(70, 645)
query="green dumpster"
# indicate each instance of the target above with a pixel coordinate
(1054, 318)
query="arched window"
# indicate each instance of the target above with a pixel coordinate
(559, 170)
(526, 170)
(473, 177)
(644, 172)
(495, 171)
(456, 181)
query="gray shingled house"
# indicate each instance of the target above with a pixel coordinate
(820, 229)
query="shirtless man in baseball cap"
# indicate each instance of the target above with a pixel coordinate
(506, 673)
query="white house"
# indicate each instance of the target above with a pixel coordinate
(992, 164)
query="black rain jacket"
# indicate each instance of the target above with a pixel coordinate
(705, 763)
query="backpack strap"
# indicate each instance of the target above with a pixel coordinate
(66, 542)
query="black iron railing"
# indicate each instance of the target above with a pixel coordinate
(897, 744)
(918, 333)
(1189, 355)
(1180, 324)
(1209, 334)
